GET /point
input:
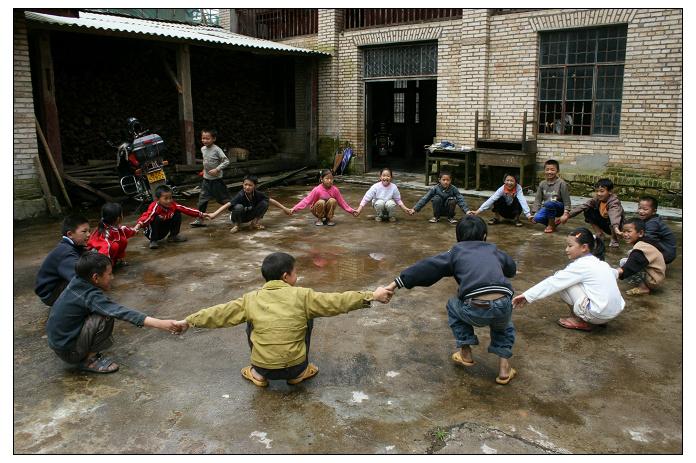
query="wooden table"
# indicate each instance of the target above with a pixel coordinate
(504, 158)
(458, 157)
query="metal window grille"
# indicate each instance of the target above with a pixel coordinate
(581, 81)
(418, 60)
(357, 18)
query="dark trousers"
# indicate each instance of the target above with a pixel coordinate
(443, 207)
(283, 373)
(241, 214)
(95, 336)
(508, 211)
(57, 291)
(159, 229)
(212, 189)
(592, 216)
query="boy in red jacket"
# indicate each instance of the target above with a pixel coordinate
(163, 217)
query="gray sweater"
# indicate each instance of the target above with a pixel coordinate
(213, 158)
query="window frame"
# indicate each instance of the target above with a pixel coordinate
(566, 119)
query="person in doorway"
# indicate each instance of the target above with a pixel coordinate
(212, 185)
(445, 197)
(162, 219)
(248, 206)
(58, 268)
(323, 200)
(484, 295)
(552, 199)
(508, 202)
(587, 284)
(82, 319)
(279, 319)
(384, 196)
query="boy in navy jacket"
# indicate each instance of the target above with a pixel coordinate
(58, 268)
(484, 295)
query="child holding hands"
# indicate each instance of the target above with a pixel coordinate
(323, 199)
(111, 238)
(508, 201)
(645, 265)
(384, 196)
(484, 295)
(445, 197)
(279, 319)
(587, 284)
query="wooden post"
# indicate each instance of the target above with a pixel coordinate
(50, 199)
(52, 162)
(49, 108)
(183, 64)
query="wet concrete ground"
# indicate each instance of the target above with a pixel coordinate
(386, 384)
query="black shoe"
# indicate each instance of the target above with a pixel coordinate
(177, 239)
(154, 245)
(197, 223)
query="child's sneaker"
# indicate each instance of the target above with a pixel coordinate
(451, 220)
(433, 220)
(392, 219)
(198, 223)
(378, 218)
(234, 229)
(177, 239)
(154, 245)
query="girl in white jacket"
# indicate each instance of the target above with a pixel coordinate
(587, 284)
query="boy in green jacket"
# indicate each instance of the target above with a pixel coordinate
(279, 319)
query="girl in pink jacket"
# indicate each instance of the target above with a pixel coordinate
(323, 200)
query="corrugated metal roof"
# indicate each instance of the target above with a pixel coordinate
(177, 31)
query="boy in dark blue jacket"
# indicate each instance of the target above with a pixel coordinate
(484, 295)
(445, 198)
(82, 319)
(656, 229)
(58, 268)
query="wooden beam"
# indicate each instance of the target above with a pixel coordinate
(87, 187)
(52, 161)
(183, 64)
(171, 74)
(49, 108)
(50, 199)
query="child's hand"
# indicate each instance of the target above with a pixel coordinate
(137, 227)
(518, 301)
(391, 286)
(411, 211)
(288, 211)
(164, 325)
(214, 172)
(207, 216)
(382, 295)
(181, 326)
(564, 218)
(472, 213)
(358, 211)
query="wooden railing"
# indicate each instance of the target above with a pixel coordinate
(277, 24)
(357, 18)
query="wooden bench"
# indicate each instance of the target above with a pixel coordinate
(457, 157)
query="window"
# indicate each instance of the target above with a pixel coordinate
(400, 61)
(581, 81)
(400, 101)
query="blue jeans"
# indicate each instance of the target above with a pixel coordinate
(463, 316)
(549, 211)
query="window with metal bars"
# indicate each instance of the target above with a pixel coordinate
(581, 81)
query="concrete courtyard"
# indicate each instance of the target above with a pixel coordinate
(386, 383)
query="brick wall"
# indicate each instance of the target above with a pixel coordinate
(26, 184)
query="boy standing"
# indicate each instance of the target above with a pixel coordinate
(445, 198)
(655, 228)
(484, 297)
(212, 186)
(552, 198)
(58, 268)
(163, 217)
(604, 212)
(82, 319)
(279, 319)
(645, 264)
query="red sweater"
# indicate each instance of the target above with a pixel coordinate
(165, 213)
(112, 242)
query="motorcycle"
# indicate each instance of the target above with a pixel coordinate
(140, 163)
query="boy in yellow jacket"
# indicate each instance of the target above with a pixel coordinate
(279, 319)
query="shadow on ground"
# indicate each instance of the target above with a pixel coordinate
(386, 383)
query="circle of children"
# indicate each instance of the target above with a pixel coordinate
(279, 316)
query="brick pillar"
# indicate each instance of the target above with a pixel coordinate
(25, 146)
(329, 27)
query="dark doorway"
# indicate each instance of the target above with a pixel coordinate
(399, 121)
